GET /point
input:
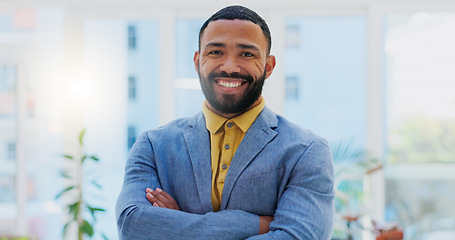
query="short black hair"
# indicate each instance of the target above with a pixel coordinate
(239, 13)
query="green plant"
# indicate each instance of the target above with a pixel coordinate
(351, 165)
(81, 214)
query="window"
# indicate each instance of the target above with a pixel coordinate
(143, 86)
(7, 78)
(7, 90)
(11, 151)
(8, 134)
(131, 136)
(325, 87)
(7, 188)
(131, 88)
(106, 41)
(292, 88)
(325, 92)
(188, 93)
(420, 56)
(132, 37)
(19, 19)
(292, 36)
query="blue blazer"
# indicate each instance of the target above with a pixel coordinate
(278, 170)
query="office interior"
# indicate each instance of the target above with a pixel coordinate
(85, 78)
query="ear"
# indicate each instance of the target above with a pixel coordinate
(269, 66)
(196, 61)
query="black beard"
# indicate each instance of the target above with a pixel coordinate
(229, 104)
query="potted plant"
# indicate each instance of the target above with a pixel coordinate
(81, 215)
(351, 165)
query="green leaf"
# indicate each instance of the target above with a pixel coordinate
(83, 158)
(96, 184)
(64, 174)
(95, 158)
(74, 209)
(99, 209)
(95, 209)
(86, 228)
(65, 228)
(81, 136)
(68, 156)
(64, 191)
(104, 236)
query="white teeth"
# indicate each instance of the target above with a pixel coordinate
(229, 84)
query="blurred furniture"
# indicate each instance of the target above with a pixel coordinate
(389, 232)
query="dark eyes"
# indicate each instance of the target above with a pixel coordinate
(248, 54)
(244, 54)
(215, 52)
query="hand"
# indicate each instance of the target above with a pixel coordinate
(264, 222)
(160, 198)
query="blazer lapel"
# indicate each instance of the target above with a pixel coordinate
(198, 144)
(256, 138)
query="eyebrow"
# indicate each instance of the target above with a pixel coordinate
(215, 44)
(248, 46)
(242, 46)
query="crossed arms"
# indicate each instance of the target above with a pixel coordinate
(160, 198)
(304, 209)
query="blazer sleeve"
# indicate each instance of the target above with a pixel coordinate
(137, 219)
(306, 208)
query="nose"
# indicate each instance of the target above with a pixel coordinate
(230, 65)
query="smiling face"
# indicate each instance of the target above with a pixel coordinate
(232, 65)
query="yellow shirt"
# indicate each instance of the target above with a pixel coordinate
(225, 137)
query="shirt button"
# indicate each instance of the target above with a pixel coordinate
(227, 147)
(229, 125)
(224, 166)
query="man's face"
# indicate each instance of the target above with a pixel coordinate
(232, 65)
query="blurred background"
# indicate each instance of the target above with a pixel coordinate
(376, 78)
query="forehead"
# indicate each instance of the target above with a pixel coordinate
(233, 31)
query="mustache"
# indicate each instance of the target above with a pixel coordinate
(247, 78)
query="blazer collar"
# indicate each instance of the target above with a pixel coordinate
(197, 140)
(256, 138)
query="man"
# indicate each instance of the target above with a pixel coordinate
(236, 170)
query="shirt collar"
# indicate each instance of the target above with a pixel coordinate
(214, 122)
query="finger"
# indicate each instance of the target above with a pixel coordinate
(155, 201)
(166, 195)
(150, 197)
(171, 203)
(160, 198)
